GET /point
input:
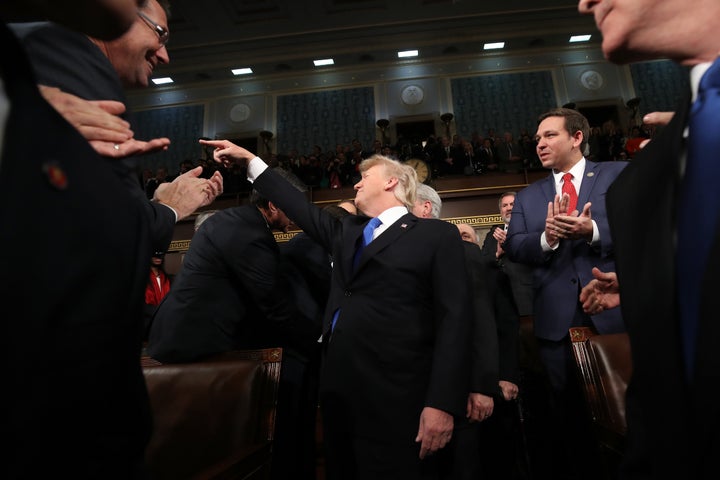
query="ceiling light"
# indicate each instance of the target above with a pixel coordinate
(162, 80)
(242, 71)
(408, 53)
(326, 61)
(580, 38)
(493, 46)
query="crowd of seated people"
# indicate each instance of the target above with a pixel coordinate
(446, 156)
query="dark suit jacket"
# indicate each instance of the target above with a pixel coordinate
(72, 253)
(401, 341)
(509, 285)
(519, 275)
(229, 294)
(642, 204)
(484, 341)
(558, 275)
(70, 61)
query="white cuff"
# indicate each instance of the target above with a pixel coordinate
(255, 167)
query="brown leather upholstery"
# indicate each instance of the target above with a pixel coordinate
(215, 418)
(604, 366)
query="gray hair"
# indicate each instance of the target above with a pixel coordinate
(425, 193)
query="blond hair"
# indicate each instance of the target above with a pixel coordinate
(406, 188)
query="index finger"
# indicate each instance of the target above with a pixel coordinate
(213, 143)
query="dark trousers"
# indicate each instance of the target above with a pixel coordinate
(571, 432)
(294, 452)
(460, 459)
(349, 457)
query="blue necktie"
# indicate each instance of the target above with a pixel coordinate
(366, 239)
(698, 208)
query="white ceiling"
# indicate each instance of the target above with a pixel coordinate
(281, 37)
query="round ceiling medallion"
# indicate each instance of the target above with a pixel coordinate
(412, 95)
(592, 80)
(240, 112)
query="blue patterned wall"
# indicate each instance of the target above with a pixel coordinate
(660, 84)
(325, 119)
(182, 125)
(505, 102)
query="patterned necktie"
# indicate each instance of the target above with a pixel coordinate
(698, 207)
(569, 188)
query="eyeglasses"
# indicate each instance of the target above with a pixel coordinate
(159, 29)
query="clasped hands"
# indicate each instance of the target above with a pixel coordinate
(561, 225)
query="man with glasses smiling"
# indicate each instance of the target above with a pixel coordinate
(96, 69)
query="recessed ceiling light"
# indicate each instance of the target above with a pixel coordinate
(326, 61)
(408, 53)
(580, 38)
(494, 46)
(242, 71)
(162, 80)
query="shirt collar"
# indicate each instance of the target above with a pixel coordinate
(577, 171)
(392, 215)
(696, 74)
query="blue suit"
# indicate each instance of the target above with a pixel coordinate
(558, 275)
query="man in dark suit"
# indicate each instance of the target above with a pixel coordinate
(98, 69)
(510, 289)
(228, 294)
(396, 325)
(547, 232)
(72, 373)
(460, 459)
(231, 294)
(672, 411)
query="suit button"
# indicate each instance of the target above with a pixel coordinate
(348, 293)
(574, 280)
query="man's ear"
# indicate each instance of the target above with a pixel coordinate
(578, 138)
(272, 208)
(391, 182)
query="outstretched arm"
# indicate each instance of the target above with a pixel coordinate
(601, 293)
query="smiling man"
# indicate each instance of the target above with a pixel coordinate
(95, 69)
(667, 262)
(562, 241)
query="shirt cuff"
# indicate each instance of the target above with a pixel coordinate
(173, 210)
(596, 234)
(545, 245)
(255, 167)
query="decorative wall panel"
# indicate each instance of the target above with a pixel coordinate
(325, 119)
(505, 102)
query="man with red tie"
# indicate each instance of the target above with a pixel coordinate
(559, 227)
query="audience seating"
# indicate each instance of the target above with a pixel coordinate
(604, 367)
(213, 419)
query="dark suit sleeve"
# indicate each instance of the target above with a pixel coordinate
(318, 224)
(484, 343)
(258, 269)
(522, 245)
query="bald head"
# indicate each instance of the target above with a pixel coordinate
(467, 233)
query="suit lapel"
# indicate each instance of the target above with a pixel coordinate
(548, 188)
(397, 229)
(588, 182)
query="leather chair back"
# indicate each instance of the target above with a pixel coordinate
(214, 418)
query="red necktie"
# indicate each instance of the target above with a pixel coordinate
(569, 188)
